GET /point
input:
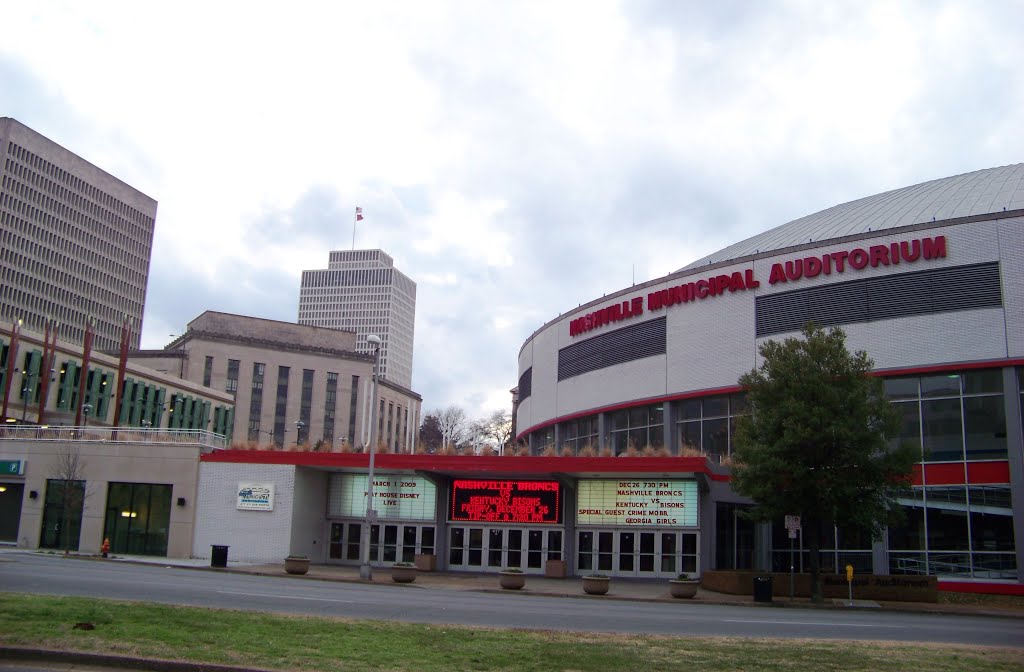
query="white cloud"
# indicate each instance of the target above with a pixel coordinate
(516, 159)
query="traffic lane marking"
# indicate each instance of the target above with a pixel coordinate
(283, 597)
(824, 625)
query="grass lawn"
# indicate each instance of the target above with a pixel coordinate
(304, 643)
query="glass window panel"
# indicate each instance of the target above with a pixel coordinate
(656, 436)
(689, 436)
(985, 427)
(639, 416)
(619, 420)
(986, 381)
(689, 544)
(947, 518)
(716, 436)
(689, 409)
(618, 442)
(910, 424)
(716, 406)
(943, 385)
(738, 403)
(991, 518)
(943, 430)
(909, 535)
(657, 414)
(427, 540)
(901, 388)
(586, 542)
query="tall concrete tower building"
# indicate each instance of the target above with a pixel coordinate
(75, 241)
(362, 291)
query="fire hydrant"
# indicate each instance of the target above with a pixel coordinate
(105, 548)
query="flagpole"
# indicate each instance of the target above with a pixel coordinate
(355, 218)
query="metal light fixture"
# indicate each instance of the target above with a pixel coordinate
(365, 571)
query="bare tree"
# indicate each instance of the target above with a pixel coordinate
(498, 429)
(69, 473)
(477, 437)
(452, 422)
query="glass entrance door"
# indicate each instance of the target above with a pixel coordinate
(641, 553)
(495, 548)
(389, 542)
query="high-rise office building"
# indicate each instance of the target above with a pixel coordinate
(362, 291)
(75, 241)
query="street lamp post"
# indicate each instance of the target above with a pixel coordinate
(365, 571)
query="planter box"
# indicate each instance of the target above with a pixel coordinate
(595, 586)
(425, 562)
(403, 574)
(554, 569)
(296, 565)
(511, 580)
(682, 589)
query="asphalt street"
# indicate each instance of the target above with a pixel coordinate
(56, 575)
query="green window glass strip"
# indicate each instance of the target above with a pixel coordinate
(137, 396)
(157, 409)
(67, 389)
(124, 414)
(4, 352)
(107, 383)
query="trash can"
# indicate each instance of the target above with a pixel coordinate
(219, 557)
(762, 589)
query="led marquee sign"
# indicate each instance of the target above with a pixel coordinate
(634, 503)
(505, 501)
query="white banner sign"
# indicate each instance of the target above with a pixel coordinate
(255, 497)
(395, 497)
(637, 503)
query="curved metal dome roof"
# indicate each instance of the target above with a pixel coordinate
(979, 193)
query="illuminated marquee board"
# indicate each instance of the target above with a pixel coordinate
(634, 503)
(395, 497)
(505, 501)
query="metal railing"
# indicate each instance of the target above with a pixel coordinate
(207, 440)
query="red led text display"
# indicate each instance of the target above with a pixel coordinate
(505, 501)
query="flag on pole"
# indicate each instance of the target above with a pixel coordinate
(359, 214)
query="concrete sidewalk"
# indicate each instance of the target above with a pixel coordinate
(654, 590)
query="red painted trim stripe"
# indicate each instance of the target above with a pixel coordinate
(942, 368)
(953, 473)
(988, 472)
(986, 588)
(470, 463)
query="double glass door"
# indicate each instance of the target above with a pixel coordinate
(644, 553)
(497, 548)
(389, 542)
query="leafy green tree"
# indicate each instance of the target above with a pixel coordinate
(816, 443)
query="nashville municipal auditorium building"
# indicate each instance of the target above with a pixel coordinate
(628, 405)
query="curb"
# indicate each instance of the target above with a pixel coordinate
(120, 662)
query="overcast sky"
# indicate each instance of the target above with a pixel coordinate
(515, 159)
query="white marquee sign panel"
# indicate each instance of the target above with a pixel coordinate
(395, 497)
(637, 503)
